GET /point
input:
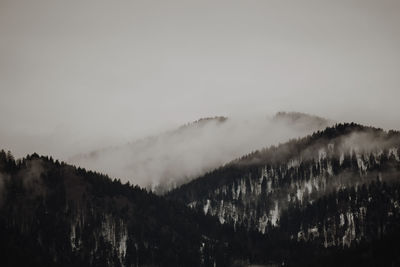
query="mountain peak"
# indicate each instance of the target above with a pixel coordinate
(302, 118)
(167, 160)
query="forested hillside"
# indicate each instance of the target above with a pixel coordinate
(53, 214)
(329, 199)
(336, 188)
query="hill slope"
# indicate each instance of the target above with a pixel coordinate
(328, 208)
(335, 188)
(53, 214)
(170, 159)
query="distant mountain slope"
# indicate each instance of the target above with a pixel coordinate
(170, 159)
(52, 214)
(338, 187)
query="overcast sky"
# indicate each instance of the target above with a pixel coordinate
(76, 73)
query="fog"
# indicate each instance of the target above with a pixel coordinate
(174, 157)
(77, 76)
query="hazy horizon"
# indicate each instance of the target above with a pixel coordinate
(80, 75)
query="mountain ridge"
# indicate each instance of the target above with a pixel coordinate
(255, 190)
(54, 214)
(170, 159)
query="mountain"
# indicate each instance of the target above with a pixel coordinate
(329, 199)
(165, 161)
(53, 214)
(337, 188)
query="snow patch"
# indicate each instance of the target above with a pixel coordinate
(321, 154)
(116, 233)
(275, 214)
(293, 163)
(341, 159)
(206, 206)
(331, 146)
(393, 151)
(350, 233)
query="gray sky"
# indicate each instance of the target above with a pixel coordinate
(74, 74)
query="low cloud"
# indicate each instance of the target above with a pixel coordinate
(172, 158)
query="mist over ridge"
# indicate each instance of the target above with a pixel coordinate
(167, 160)
(199, 133)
